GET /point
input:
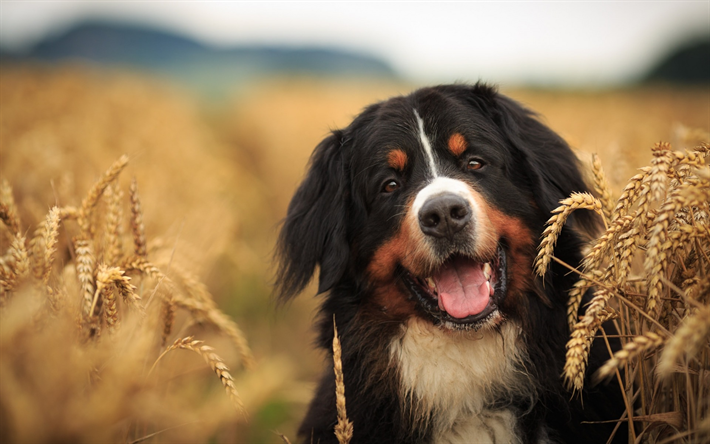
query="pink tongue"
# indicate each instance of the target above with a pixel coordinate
(462, 288)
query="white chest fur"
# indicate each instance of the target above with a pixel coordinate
(449, 377)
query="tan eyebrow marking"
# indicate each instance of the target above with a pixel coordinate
(457, 144)
(397, 159)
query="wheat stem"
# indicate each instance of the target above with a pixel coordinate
(51, 235)
(688, 340)
(8, 209)
(639, 344)
(140, 244)
(601, 186)
(344, 428)
(581, 339)
(214, 361)
(90, 201)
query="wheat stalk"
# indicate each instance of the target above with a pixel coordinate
(546, 248)
(601, 186)
(142, 265)
(51, 235)
(576, 294)
(580, 342)
(106, 279)
(629, 193)
(344, 428)
(663, 214)
(684, 163)
(90, 201)
(638, 345)
(114, 214)
(696, 288)
(69, 212)
(137, 226)
(193, 287)
(616, 229)
(214, 361)
(103, 290)
(687, 340)
(71, 253)
(202, 306)
(36, 250)
(685, 195)
(660, 170)
(9, 218)
(168, 320)
(14, 267)
(222, 322)
(85, 265)
(8, 209)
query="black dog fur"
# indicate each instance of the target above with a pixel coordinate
(341, 216)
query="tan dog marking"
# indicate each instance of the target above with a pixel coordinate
(397, 159)
(457, 144)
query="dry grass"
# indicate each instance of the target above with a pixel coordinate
(70, 308)
(661, 306)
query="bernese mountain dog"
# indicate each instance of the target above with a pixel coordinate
(423, 217)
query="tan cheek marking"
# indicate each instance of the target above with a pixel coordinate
(486, 235)
(390, 302)
(388, 299)
(521, 249)
(397, 159)
(381, 268)
(457, 144)
(407, 247)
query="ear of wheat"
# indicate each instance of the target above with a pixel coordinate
(100, 289)
(214, 361)
(661, 219)
(555, 224)
(344, 428)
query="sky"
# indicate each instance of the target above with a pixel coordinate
(570, 42)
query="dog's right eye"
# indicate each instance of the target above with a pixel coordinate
(390, 186)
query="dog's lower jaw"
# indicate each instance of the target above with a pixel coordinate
(451, 380)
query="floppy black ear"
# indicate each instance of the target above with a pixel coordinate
(552, 168)
(314, 231)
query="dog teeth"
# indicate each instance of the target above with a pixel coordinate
(489, 288)
(487, 271)
(430, 282)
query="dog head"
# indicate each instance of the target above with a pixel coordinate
(431, 205)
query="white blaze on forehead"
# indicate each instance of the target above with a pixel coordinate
(426, 145)
(441, 185)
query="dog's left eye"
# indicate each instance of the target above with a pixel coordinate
(474, 164)
(390, 186)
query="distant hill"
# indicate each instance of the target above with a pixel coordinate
(688, 64)
(205, 67)
(115, 43)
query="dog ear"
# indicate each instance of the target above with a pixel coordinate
(314, 231)
(553, 170)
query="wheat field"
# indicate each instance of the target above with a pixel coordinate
(138, 223)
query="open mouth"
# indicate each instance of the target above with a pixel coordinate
(462, 293)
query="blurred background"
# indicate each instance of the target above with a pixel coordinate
(218, 106)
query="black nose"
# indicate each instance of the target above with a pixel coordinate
(444, 215)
